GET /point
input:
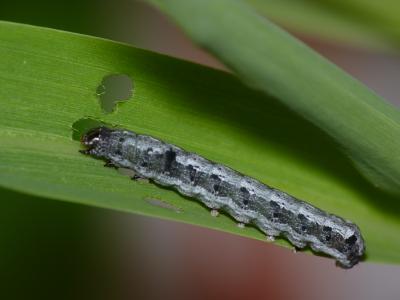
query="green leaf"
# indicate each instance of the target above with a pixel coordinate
(48, 82)
(366, 23)
(270, 60)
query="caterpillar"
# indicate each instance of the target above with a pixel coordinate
(219, 187)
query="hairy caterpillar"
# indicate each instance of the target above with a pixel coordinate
(219, 187)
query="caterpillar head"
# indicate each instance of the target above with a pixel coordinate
(95, 140)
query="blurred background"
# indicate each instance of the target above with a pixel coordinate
(51, 249)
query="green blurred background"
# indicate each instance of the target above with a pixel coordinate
(51, 249)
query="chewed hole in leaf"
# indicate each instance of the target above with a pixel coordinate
(114, 88)
(83, 125)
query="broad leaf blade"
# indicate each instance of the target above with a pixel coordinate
(48, 80)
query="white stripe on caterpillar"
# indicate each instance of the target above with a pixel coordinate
(221, 188)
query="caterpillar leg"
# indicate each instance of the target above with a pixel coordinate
(85, 151)
(240, 225)
(109, 164)
(140, 178)
(131, 174)
(214, 213)
(296, 249)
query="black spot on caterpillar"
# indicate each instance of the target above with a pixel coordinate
(219, 187)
